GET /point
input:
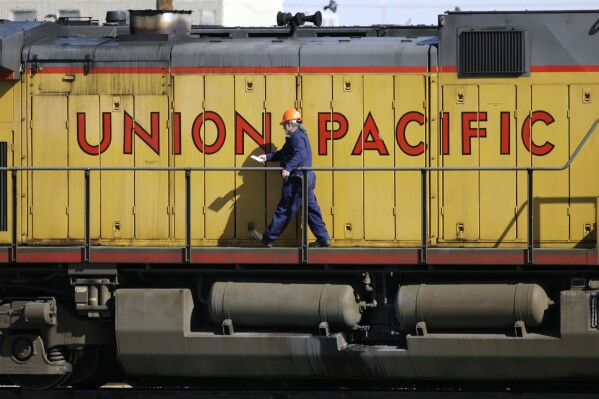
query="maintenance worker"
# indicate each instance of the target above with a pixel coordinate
(295, 153)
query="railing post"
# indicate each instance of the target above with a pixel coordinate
(13, 255)
(87, 218)
(530, 218)
(423, 247)
(305, 216)
(187, 216)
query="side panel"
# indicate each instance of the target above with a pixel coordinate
(584, 108)
(281, 95)
(151, 187)
(250, 202)
(85, 136)
(460, 189)
(219, 152)
(348, 189)
(498, 149)
(411, 130)
(378, 143)
(549, 140)
(317, 93)
(49, 149)
(7, 116)
(117, 187)
(188, 98)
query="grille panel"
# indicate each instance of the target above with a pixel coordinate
(492, 53)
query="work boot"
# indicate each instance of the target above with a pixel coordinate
(320, 243)
(259, 237)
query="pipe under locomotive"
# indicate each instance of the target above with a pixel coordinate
(142, 137)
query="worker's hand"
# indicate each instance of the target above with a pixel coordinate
(262, 157)
(285, 174)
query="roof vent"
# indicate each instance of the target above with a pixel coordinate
(492, 53)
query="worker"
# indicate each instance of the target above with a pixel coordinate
(295, 153)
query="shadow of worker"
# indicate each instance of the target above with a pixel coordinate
(244, 205)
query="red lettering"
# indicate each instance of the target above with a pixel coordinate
(445, 133)
(151, 139)
(505, 133)
(177, 133)
(468, 132)
(266, 128)
(324, 133)
(106, 134)
(400, 133)
(221, 132)
(376, 143)
(242, 126)
(536, 116)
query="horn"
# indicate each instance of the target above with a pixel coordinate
(316, 19)
(283, 18)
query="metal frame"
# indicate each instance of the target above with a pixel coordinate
(304, 245)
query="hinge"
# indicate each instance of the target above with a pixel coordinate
(67, 124)
(442, 211)
(67, 210)
(298, 80)
(568, 114)
(569, 209)
(332, 104)
(30, 210)
(204, 104)
(173, 209)
(516, 210)
(394, 211)
(332, 210)
(264, 105)
(393, 104)
(134, 210)
(424, 104)
(204, 209)
(516, 114)
(12, 147)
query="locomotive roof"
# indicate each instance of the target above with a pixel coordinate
(248, 52)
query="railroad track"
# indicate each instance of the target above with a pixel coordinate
(125, 391)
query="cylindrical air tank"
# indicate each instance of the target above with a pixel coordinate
(471, 305)
(284, 305)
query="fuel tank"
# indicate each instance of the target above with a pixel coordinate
(471, 305)
(284, 305)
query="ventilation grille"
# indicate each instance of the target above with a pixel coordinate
(492, 53)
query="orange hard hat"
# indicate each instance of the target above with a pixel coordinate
(291, 114)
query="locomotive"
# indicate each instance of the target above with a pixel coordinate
(455, 170)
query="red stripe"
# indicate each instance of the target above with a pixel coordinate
(291, 256)
(274, 257)
(97, 70)
(139, 256)
(6, 75)
(565, 68)
(536, 68)
(364, 69)
(68, 255)
(364, 258)
(485, 258)
(227, 70)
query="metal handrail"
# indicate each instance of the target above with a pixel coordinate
(424, 170)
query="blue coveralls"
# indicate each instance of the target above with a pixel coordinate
(295, 153)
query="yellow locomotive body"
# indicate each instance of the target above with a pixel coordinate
(160, 116)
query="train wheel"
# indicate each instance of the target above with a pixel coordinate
(39, 382)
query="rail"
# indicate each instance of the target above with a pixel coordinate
(424, 171)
